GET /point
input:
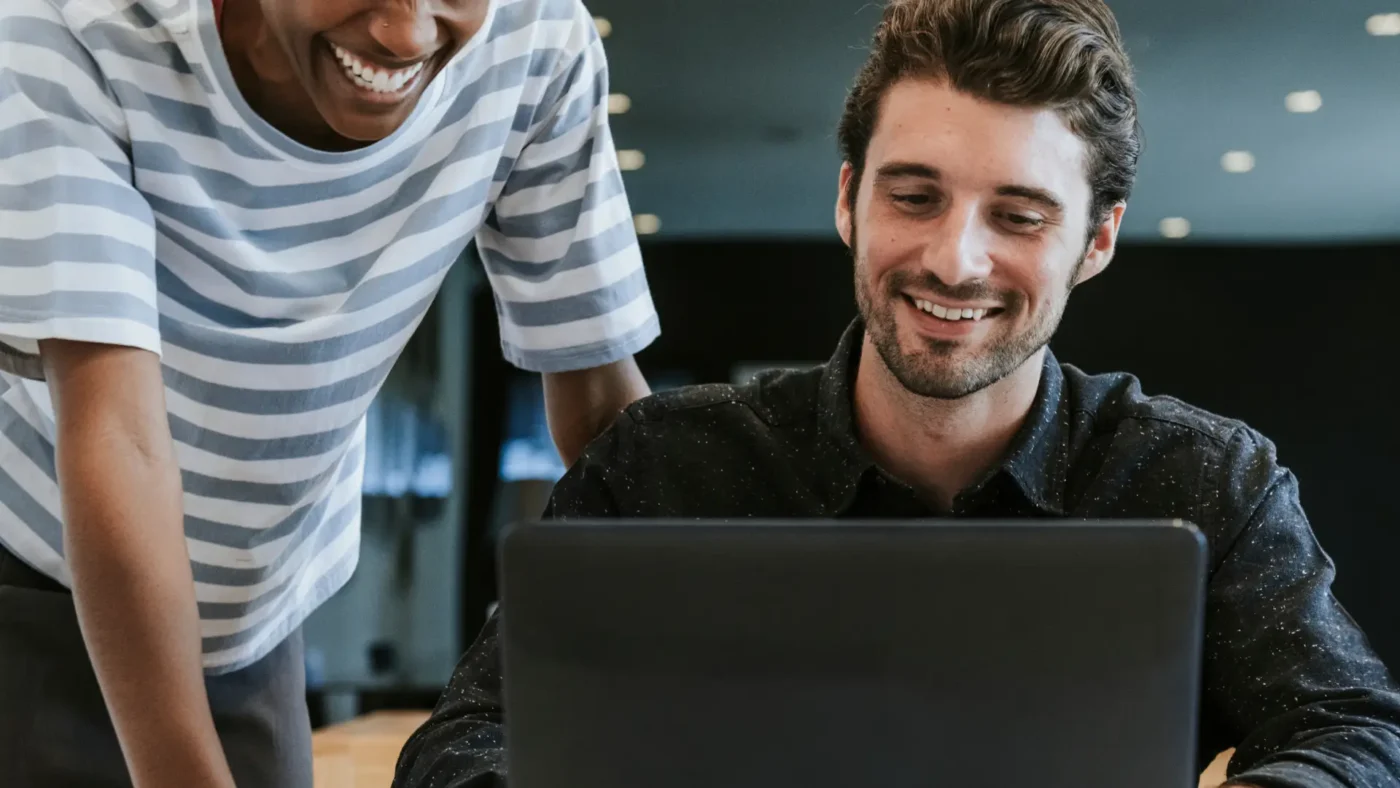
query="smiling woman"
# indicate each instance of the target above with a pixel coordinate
(253, 249)
(337, 74)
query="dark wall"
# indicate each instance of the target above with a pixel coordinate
(1298, 342)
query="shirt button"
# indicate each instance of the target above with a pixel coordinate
(180, 27)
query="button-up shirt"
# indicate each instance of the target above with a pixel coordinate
(1288, 677)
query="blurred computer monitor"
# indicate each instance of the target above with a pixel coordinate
(527, 449)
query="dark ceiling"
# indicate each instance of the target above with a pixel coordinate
(735, 102)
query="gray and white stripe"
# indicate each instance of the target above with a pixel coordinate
(143, 203)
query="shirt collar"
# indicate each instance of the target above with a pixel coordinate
(1037, 461)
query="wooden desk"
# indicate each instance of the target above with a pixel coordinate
(362, 753)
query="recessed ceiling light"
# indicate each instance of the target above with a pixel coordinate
(1304, 101)
(1175, 227)
(629, 160)
(618, 104)
(1237, 161)
(1384, 25)
(647, 223)
(603, 25)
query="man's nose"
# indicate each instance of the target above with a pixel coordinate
(959, 250)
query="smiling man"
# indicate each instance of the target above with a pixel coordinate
(220, 222)
(990, 148)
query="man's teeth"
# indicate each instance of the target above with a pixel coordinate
(368, 77)
(952, 315)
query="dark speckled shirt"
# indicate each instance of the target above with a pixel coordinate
(1288, 677)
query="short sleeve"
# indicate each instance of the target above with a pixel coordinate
(77, 241)
(559, 245)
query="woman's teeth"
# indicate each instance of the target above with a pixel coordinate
(952, 315)
(378, 80)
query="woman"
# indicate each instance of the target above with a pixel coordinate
(219, 224)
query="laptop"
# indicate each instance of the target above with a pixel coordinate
(825, 654)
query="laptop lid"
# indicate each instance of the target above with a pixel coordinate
(837, 654)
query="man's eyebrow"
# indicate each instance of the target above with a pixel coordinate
(907, 169)
(1044, 198)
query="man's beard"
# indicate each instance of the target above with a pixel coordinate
(934, 369)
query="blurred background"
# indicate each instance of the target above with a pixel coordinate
(1257, 278)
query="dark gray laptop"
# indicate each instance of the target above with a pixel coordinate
(702, 654)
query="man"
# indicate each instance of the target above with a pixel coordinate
(220, 221)
(990, 147)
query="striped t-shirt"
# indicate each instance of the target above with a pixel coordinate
(143, 203)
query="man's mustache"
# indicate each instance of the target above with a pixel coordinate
(927, 281)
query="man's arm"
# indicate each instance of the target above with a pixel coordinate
(462, 745)
(124, 540)
(581, 405)
(1289, 676)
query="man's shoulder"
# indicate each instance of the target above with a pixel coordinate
(773, 398)
(711, 423)
(1214, 467)
(708, 450)
(1115, 401)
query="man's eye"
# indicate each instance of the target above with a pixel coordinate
(1022, 220)
(913, 199)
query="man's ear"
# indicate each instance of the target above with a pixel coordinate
(1102, 246)
(843, 202)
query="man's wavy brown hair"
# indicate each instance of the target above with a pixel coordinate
(1065, 55)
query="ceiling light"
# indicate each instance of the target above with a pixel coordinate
(1175, 227)
(618, 104)
(1237, 161)
(647, 223)
(1304, 101)
(629, 160)
(603, 25)
(1384, 25)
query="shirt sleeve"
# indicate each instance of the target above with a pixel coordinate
(1290, 679)
(462, 745)
(77, 241)
(559, 246)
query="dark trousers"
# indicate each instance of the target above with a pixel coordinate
(54, 728)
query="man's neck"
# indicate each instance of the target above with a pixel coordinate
(939, 447)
